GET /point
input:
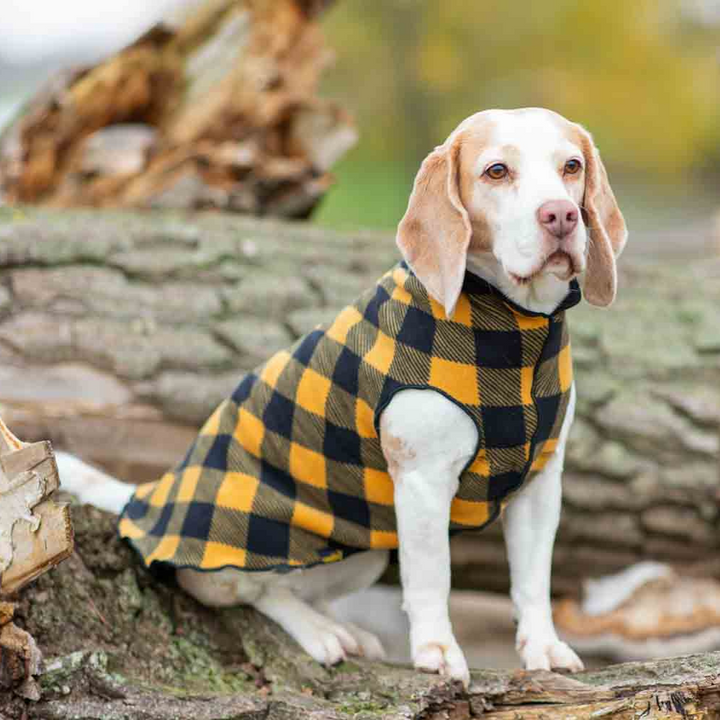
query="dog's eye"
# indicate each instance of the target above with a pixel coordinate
(573, 167)
(497, 171)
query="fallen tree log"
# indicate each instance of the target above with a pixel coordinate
(215, 106)
(120, 332)
(119, 644)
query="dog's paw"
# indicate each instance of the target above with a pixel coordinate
(327, 642)
(549, 655)
(445, 659)
(368, 644)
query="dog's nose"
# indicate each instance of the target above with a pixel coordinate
(558, 217)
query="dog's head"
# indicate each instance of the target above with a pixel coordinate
(522, 190)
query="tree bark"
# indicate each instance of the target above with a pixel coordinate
(117, 643)
(213, 107)
(120, 332)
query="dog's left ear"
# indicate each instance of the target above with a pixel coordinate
(435, 232)
(606, 228)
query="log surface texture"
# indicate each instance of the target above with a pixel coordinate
(120, 332)
(118, 645)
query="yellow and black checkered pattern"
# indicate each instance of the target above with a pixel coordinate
(289, 471)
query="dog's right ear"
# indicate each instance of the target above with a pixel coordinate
(606, 226)
(435, 232)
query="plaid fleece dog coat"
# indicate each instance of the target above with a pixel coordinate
(289, 472)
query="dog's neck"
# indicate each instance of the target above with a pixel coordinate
(542, 295)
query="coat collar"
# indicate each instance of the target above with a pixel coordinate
(474, 285)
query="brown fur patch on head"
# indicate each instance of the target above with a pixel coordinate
(482, 238)
(475, 138)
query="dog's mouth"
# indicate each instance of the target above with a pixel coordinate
(560, 264)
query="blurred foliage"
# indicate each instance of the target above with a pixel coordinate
(643, 76)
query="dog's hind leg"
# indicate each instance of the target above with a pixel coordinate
(325, 583)
(90, 485)
(297, 601)
(323, 639)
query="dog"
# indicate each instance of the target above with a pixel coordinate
(439, 401)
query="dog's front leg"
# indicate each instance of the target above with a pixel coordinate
(422, 506)
(530, 522)
(427, 441)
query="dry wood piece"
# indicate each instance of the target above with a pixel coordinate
(647, 611)
(35, 533)
(20, 658)
(215, 106)
(674, 688)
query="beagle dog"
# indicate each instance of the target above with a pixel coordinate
(504, 218)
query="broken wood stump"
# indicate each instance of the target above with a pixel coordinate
(35, 535)
(216, 106)
(35, 532)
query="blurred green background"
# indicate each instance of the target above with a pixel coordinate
(642, 76)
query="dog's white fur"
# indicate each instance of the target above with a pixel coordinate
(458, 217)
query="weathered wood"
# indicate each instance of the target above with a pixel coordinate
(20, 658)
(119, 644)
(35, 532)
(35, 535)
(108, 315)
(216, 106)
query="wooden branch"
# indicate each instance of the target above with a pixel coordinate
(213, 107)
(35, 532)
(674, 688)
